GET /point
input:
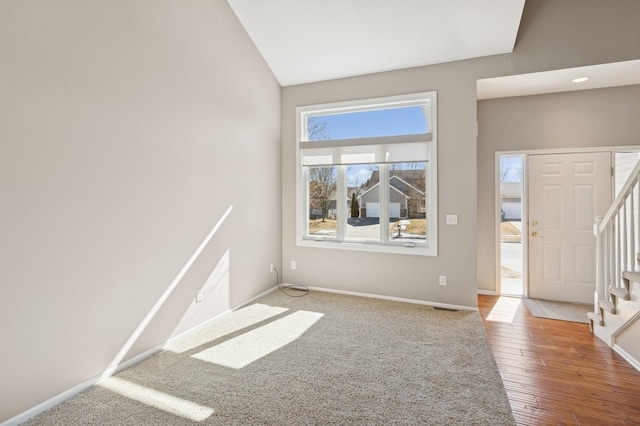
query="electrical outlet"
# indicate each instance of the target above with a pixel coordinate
(293, 264)
(272, 268)
(452, 219)
(199, 295)
(443, 280)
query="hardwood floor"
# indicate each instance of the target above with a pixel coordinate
(557, 372)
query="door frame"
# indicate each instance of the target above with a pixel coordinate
(525, 201)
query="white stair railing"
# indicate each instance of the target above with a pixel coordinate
(616, 248)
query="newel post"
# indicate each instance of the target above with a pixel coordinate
(599, 294)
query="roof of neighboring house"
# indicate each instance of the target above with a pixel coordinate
(413, 177)
(400, 185)
(405, 187)
(374, 186)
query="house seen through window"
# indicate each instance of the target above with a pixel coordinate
(367, 175)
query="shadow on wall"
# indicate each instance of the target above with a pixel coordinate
(212, 296)
(220, 276)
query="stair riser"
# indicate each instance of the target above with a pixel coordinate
(615, 315)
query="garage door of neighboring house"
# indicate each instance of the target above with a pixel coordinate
(373, 210)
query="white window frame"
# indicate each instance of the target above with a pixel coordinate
(430, 247)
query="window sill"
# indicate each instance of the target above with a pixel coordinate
(418, 249)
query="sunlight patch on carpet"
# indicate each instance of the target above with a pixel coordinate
(225, 325)
(255, 344)
(113, 365)
(505, 310)
(162, 401)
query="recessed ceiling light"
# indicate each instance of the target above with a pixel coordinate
(580, 80)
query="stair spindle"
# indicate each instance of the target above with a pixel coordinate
(632, 232)
(616, 276)
(612, 253)
(625, 257)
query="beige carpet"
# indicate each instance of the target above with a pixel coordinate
(323, 359)
(564, 311)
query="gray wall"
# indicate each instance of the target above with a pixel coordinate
(127, 130)
(589, 118)
(552, 36)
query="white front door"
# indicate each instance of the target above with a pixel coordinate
(566, 193)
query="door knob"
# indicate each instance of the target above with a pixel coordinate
(535, 234)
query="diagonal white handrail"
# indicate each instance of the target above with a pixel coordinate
(616, 239)
(621, 198)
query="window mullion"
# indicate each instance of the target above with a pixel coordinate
(384, 202)
(331, 164)
(306, 210)
(341, 203)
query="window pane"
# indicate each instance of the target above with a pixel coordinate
(511, 249)
(365, 165)
(407, 202)
(321, 189)
(363, 124)
(363, 204)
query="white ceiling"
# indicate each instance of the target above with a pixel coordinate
(604, 75)
(304, 40)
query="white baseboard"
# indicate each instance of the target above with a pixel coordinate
(394, 299)
(69, 393)
(210, 320)
(627, 357)
(52, 402)
(487, 292)
(254, 298)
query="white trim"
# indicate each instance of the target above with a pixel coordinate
(626, 325)
(393, 299)
(524, 221)
(525, 196)
(487, 292)
(373, 140)
(210, 320)
(616, 148)
(427, 248)
(69, 393)
(410, 247)
(627, 356)
(384, 201)
(50, 403)
(525, 225)
(497, 220)
(412, 99)
(341, 202)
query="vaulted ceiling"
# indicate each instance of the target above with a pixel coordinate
(304, 41)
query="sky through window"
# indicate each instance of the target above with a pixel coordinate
(383, 122)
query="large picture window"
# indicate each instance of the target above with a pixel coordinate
(367, 175)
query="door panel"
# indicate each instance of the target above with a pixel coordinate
(566, 193)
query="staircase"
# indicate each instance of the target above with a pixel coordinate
(616, 316)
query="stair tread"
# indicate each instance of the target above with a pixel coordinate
(620, 292)
(594, 319)
(631, 276)
(607, 306)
